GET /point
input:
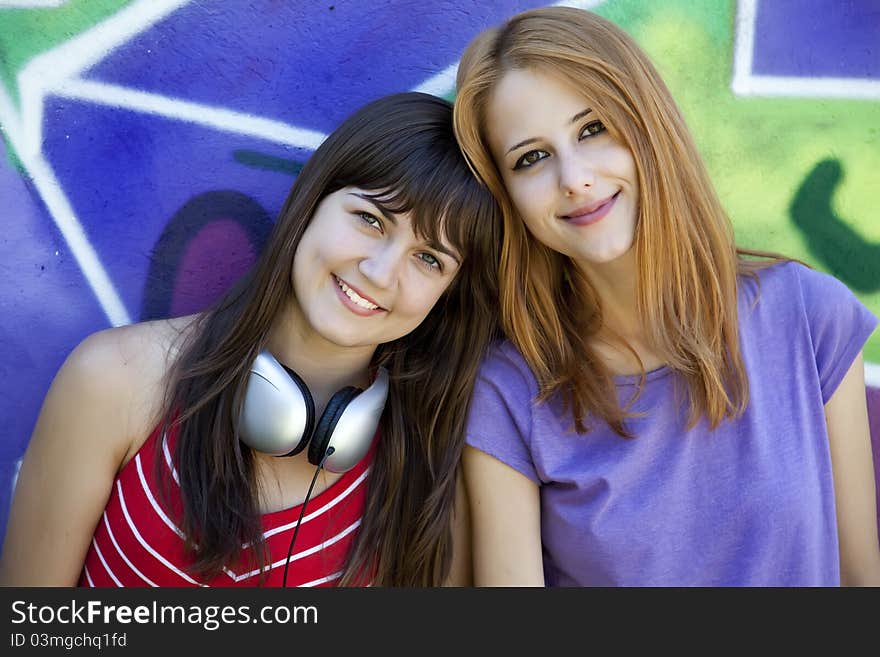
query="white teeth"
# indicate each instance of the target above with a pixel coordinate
(354, 296)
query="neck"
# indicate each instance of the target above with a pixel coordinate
(325, 367)
(615, 283)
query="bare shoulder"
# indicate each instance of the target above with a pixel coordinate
(121, 373)
(136, 350)
(96, 415)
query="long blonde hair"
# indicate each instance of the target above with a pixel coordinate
(687, 261)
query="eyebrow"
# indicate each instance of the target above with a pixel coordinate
(442, 249)
(577, 117)
(390, 217)
(385, 213)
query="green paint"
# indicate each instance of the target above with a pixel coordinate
(829, 238)
(267, 162)
(25, 33)
(761, 151)
(770, 158)
(765, 155)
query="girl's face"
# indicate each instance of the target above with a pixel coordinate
(575, 187)
(361, 275)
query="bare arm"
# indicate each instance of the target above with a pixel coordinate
(846, 416)
(68, 469)
(506, 518)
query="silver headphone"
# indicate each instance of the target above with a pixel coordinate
(278, 416)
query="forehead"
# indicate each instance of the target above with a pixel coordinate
(527, 104)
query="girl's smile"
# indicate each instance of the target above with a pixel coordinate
(357, 303)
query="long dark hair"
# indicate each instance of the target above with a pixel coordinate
(402, 148)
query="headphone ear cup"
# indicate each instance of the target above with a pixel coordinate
(324, 431)
(310, 412)
(277, 415)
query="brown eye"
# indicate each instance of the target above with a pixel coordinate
(592, 128)
(529, 159)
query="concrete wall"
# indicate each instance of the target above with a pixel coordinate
(148, 144)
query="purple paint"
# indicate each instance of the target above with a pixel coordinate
(127, 174)
(215, 258)
(307, 66)
(818, 38)
(46, 307)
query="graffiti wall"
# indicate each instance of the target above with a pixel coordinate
(148, 144)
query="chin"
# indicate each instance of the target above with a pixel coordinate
(336, 334)
(348, 341)
(607, 255)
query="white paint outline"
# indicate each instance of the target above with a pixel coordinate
(32, 4)
(61, 212)
(219, 118)
(46, 71)
(23, 129)
(443, 83)
(745, 83)
(57, 72)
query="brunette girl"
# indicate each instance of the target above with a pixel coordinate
(141, 469)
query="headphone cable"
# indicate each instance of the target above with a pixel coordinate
(329, 451)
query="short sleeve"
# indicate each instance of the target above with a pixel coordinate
(839, 326)
(500, 416)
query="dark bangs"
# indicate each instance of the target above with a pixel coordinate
(409, 160)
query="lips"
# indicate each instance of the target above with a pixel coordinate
(352, 303)
(590, 214)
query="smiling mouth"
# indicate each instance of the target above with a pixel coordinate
(591, 214)
(355, 298)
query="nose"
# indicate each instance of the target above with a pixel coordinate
(575, 173)
(382, 265)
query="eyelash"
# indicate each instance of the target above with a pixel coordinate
(591, 124)
(368, 220)
(523, 163)
(366, 217)
(585, 133)
(436, 265)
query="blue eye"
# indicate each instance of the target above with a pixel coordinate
(529, 159)
(430, 261)
(591, 129)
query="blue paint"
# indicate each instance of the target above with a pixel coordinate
(818, 38)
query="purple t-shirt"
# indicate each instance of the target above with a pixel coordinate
(748, 504)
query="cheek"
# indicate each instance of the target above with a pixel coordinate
(624, 164)
(421, 299)
(529, 196)
(303, 258)
(537, 229)
(329, 248)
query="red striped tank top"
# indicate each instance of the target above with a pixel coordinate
(138, 541)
